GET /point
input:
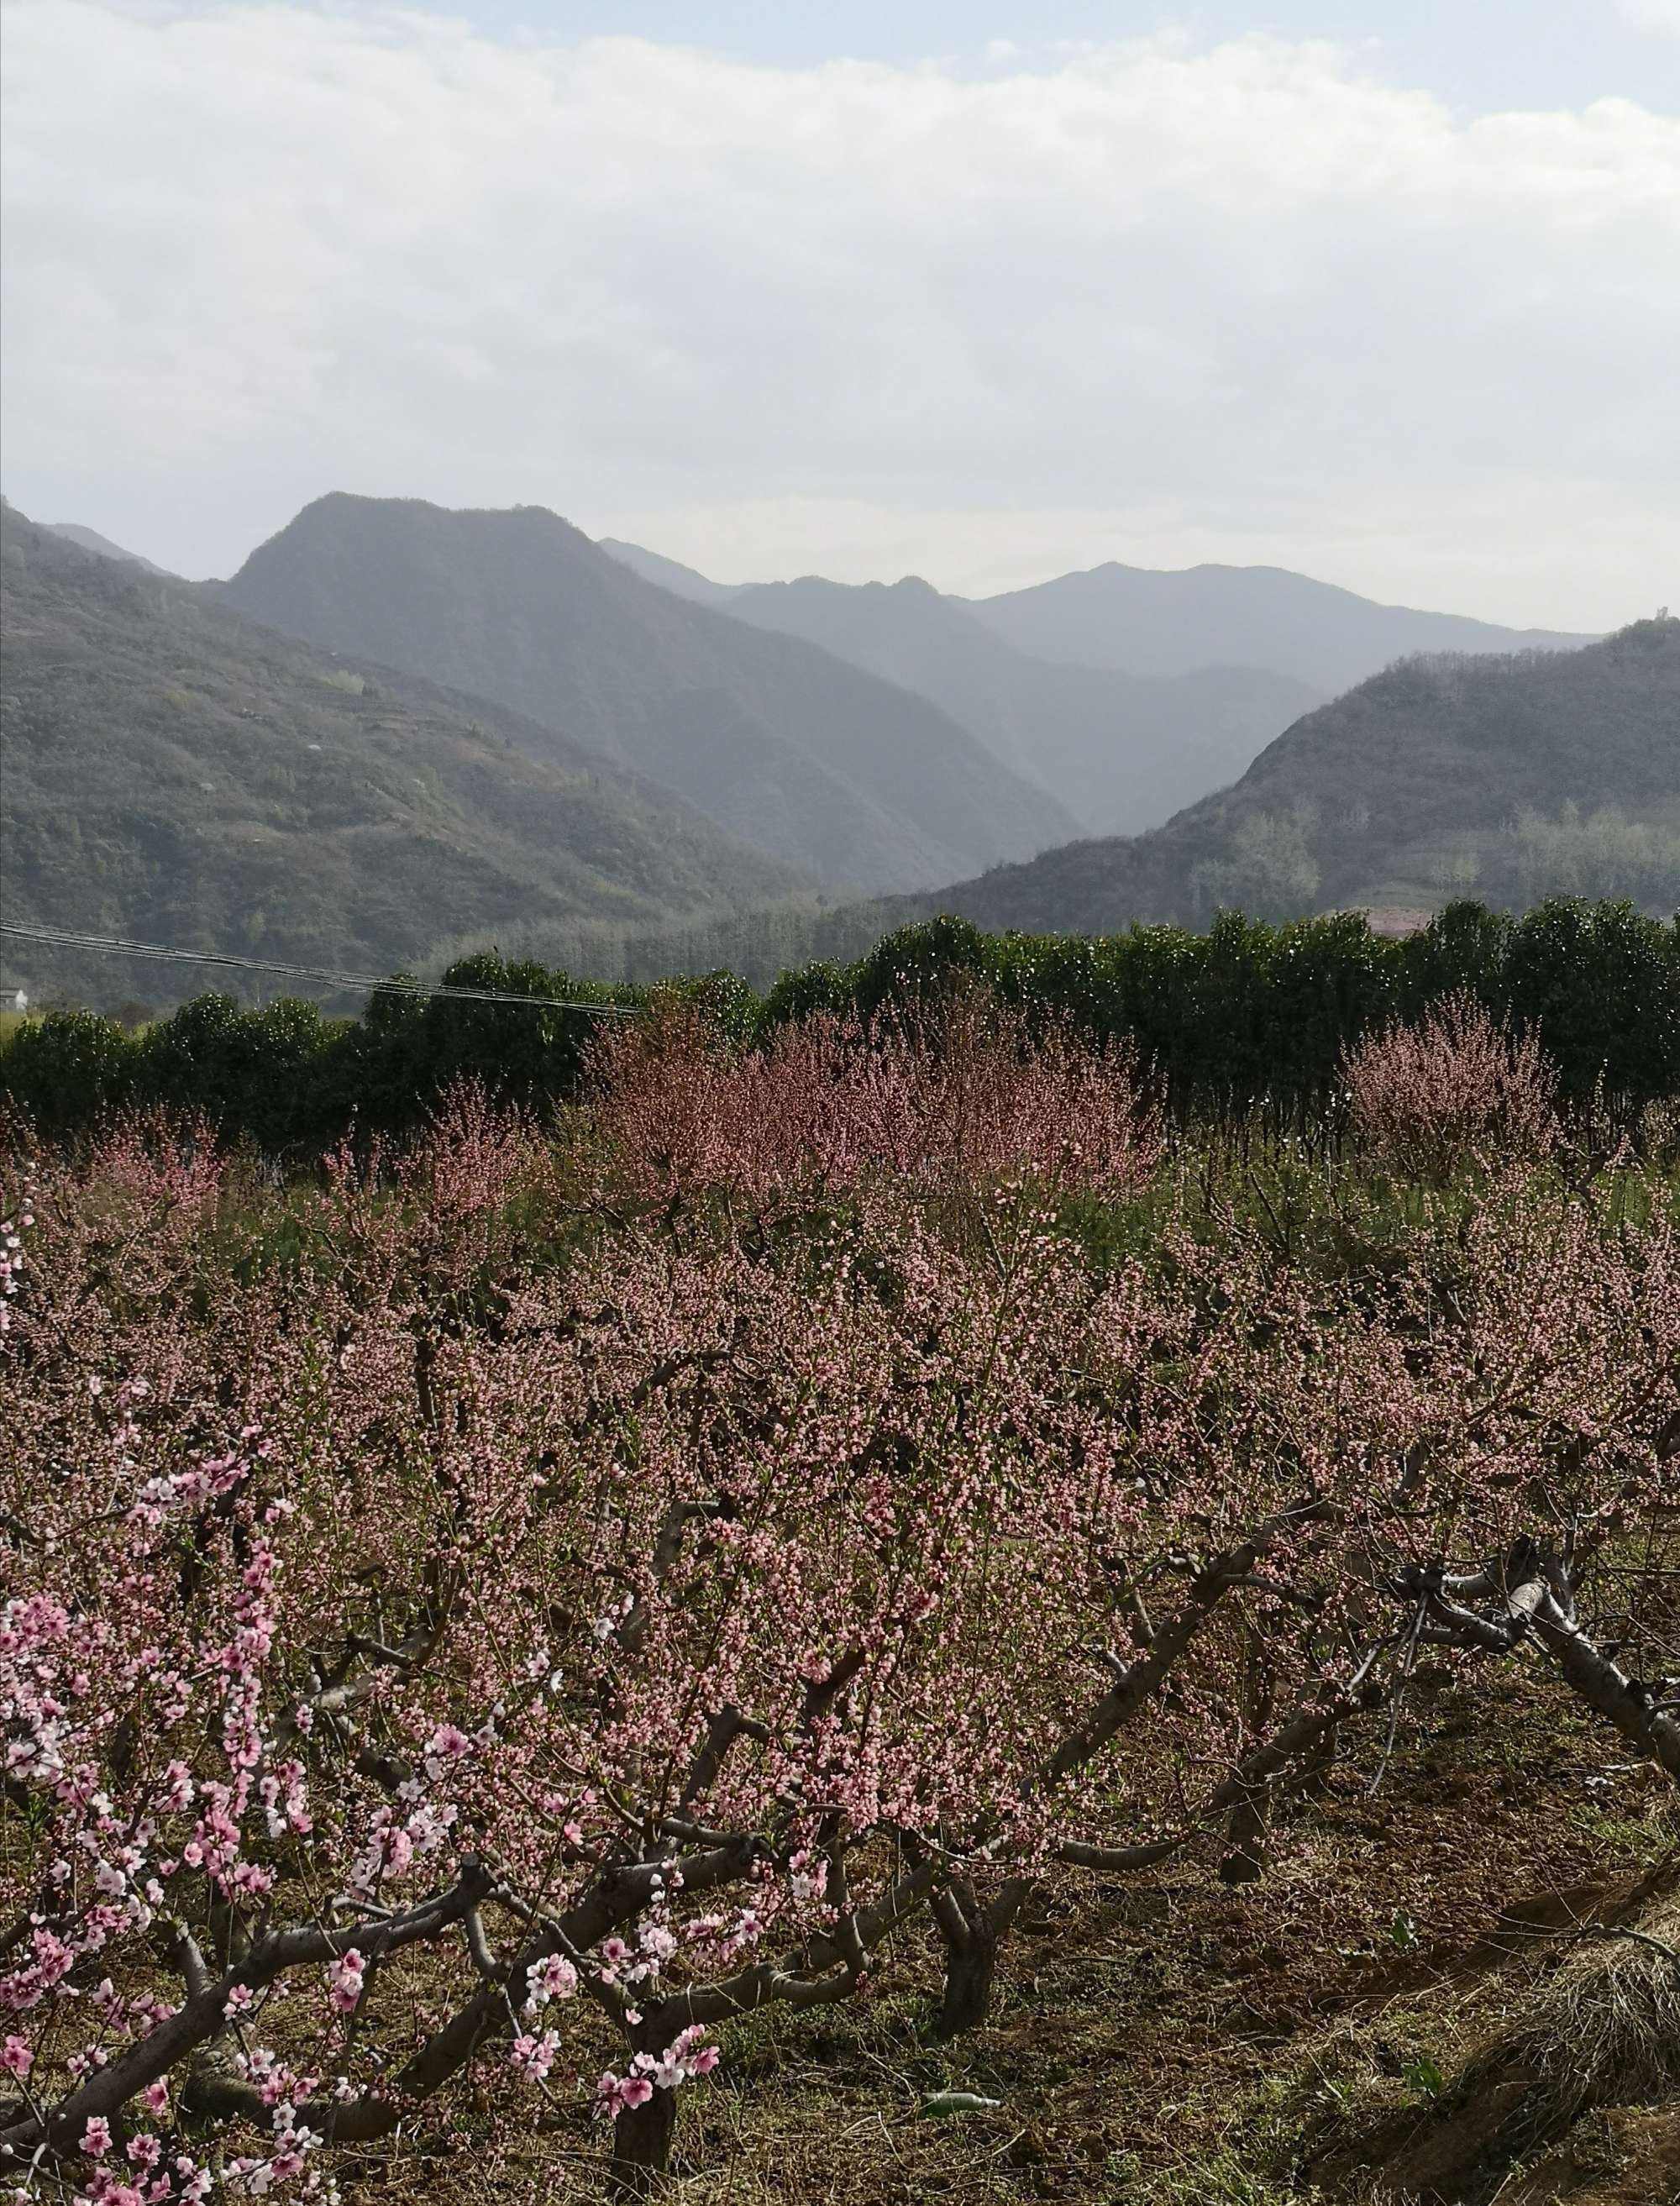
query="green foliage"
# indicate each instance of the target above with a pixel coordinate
(916, 964)
(292, 1082)
(1423, 2078)
(1464, 947)
(724, 1000)
(1245, 1015)
(1604, 853)
(1249, 1012)
(1599, 982)
(517, 1050)
(818, 986)
(253, 1070)
(67, 1067)
(1269, 865)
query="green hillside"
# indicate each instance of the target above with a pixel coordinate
(1512, 777)
(173, 774)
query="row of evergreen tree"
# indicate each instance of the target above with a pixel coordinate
(1244, 1015)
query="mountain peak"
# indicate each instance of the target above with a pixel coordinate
(247, 790)
(804, 756)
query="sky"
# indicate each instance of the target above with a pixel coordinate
(971, 289)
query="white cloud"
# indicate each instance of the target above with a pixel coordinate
(1145, 302)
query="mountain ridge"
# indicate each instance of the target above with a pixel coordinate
(671, 575)
(1128, 693)
(90, 539)
(1153, 620)
(1122, 752)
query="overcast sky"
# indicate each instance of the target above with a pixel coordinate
(980, 289)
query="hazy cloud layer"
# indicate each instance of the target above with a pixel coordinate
(1146, 302)
(1652, 14)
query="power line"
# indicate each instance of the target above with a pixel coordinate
(64, 938)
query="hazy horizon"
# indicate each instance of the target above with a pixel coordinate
(867, 293)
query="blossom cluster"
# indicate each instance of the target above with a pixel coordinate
(979, 1095)
(685, 2057)
(1453, 1088)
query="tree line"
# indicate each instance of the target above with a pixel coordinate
(1246, 1015)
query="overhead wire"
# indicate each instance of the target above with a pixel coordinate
(64, 938)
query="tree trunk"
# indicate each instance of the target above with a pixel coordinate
(1251, 1812)
(1315, 1772)
(971, 1972)
(1247, 1831)
(641, 2143)
(971, 1934)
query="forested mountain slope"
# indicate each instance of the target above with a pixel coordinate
(808, 758)
(1509, 777)
(174, 774)
(1122, 752)
(1152, 621)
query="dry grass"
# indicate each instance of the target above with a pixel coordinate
(1605, 2031)
(1599, 2029)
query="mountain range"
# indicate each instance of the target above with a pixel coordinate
(398, 727)
(1120, 751)
(813, 761)
(1127, 693)
(174, 774)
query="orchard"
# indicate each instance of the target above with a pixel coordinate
(484, 1617)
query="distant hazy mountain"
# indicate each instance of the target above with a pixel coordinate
(175, 774)
(671, 575)
(1148, 621)
(89, 539)
(1122, 752)
(1509, 778)
(808, 759)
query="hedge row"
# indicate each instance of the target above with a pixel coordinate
(1248, 1012)
(1245, 1014)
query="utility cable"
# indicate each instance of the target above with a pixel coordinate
(64, 938)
